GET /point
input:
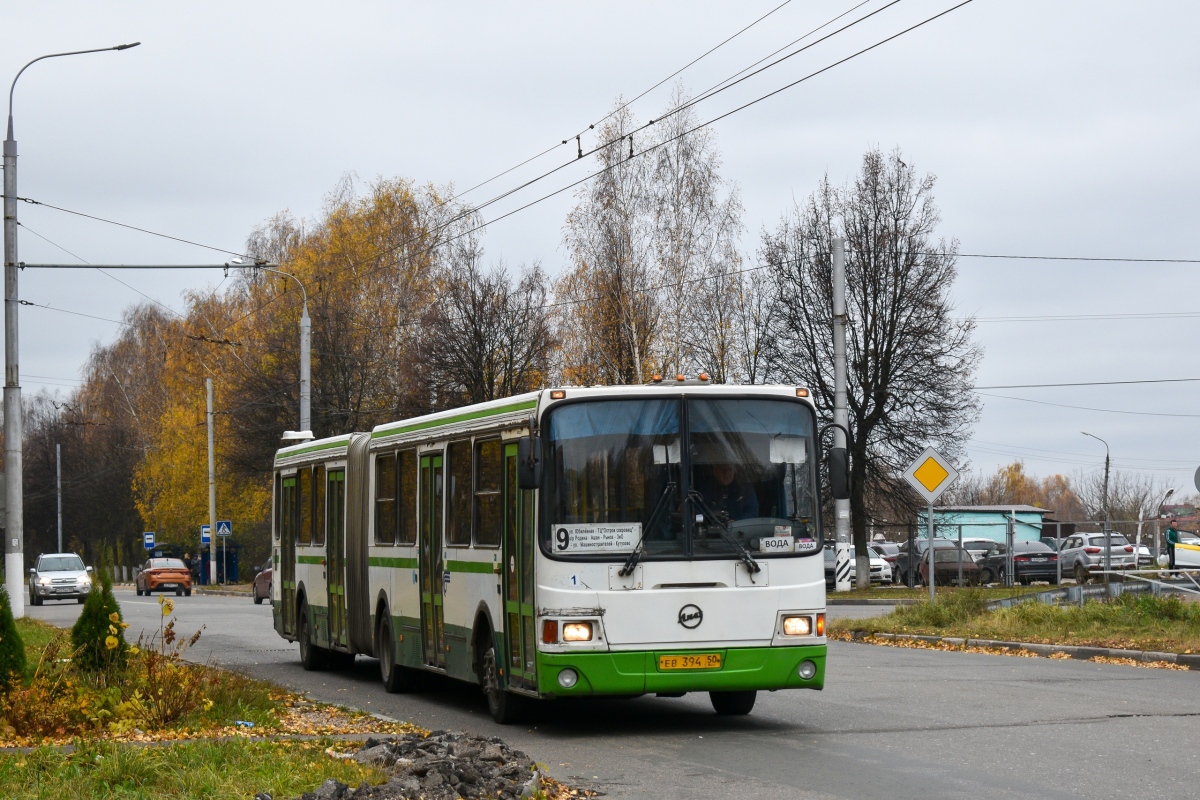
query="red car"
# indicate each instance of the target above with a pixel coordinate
(262, 584)
(164, 575)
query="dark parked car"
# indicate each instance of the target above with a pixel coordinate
(261, 589)
(901, 568)
(1032, 561)
(946, 564)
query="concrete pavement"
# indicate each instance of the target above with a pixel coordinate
(891, 722)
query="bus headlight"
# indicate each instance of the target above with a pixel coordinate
(797, 626)
(569, 677)
(577, 632)
(807, 670)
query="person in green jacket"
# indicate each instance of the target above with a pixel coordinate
(1172, 540)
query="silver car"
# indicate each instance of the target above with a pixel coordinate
(1083, 554)
(59, 576)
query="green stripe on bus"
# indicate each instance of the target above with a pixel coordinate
(315, 447)
(470, 566)
(398, 563)
(310, 559)
(437, 423)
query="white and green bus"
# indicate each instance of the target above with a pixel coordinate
(569, 542)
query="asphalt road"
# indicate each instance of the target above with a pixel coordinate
(891, 722)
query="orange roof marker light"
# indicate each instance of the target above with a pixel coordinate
(802, 393)
(680, 377)
(703, 376)
(558, 394)
(656, 378)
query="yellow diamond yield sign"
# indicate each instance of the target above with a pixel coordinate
(931, 474)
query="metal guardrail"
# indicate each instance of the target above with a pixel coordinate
(1077, 594)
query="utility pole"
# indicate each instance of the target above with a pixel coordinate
(14, 523)
(1107, 518)
(58, 488)
(841, 420)
(305, 351)
(212, 491)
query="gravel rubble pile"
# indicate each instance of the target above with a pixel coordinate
(441, 766)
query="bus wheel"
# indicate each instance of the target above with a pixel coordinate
(732, 703)
(311, 657)
(504, 706)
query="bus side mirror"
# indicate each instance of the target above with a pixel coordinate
(529, 462)
(839, 473)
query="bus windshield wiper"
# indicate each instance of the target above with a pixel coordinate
(751, 565)
(631, 562)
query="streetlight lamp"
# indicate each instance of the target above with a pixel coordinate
(14, 535)
(1107, 519)
(305, 431)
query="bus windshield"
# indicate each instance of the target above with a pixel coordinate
(680, 478)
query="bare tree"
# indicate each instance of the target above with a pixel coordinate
(911, 362)
(486, 338)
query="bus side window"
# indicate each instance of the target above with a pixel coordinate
(458, 532)
(305, 479)
(278, 504)
(488, 512)
(318, 521)
(385, 498)
(406, 500)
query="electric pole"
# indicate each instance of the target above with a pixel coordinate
(58, 488)
(212, 492)
(841, 416)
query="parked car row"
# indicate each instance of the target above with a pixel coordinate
(881, 570)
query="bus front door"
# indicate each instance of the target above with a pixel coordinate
(290, 508)
(518, 577)
(335, 561)
(432, 564)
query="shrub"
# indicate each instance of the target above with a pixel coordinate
(12, 649)
(99, 634)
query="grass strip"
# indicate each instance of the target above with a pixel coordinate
(190, 771)
(1129, 622)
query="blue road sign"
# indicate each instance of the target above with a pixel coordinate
(148, 540)
(205, 534)
(224, 528)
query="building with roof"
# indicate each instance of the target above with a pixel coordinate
(985, 522)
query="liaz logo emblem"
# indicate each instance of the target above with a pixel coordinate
(690, 616)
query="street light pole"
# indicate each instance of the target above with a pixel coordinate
(1107, 519)
(1157, 517)
(305, 353)
(14, 535)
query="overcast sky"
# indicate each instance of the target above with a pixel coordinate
(1055, 127)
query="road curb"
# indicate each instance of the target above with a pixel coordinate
(221, 592)
(1081, 652)
(869, 601)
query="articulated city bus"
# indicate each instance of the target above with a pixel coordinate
(568, 542)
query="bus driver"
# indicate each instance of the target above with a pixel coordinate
(729, 495)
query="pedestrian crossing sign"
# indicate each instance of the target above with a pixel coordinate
(224, 528)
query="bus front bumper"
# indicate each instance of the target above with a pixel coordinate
(637, 672)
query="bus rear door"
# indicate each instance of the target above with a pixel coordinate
(432, 562)
(287, 556)
(336, 557)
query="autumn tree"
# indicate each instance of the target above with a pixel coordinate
(911, 362)
(654, 267)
